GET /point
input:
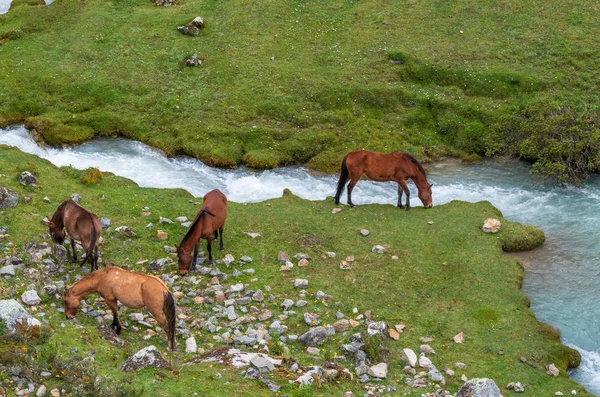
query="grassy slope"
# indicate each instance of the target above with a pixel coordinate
(79, 69)
(450, 277)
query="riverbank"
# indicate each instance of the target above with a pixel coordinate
(444, 264)
(312, 84)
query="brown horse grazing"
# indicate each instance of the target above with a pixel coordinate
(133, 290)
(382, 167)
(208, 224)
(80, 224)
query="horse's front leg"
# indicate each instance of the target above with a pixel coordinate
(209, 249)
(193, 266)
(402, 184)
(400, 196)
(73, 244)
(116, 325)
(221, 247)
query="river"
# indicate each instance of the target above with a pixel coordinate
(561, 278)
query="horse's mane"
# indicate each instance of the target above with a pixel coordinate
(414, 160)
(57, 217)
(188, 235)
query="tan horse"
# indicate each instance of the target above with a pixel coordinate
(383, 167)
(80, 224)
(208, 224)
(133, 290)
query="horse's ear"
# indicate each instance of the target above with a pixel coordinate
(431, 185)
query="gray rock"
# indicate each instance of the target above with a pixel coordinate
(300, 283)
(60, 253)
(378, 371)
(314, 337)
(193, 27)
(164, 220)
(8, 270)
(27, 179)
(31, 298)
(261, 363)
(258, 296)
(321, 295)
(315, 373)
(50, 289)
(76, 197)
(479, 387)
(286, 304)
(13, 314)
(434, 375)
(147, 357)
(246, 259)
(125, 231)
(376, 327)
(364, 232)
(282, 257)
(159, 265)
(8, 198)
(105, 222)
(311, 318)
(378, 249)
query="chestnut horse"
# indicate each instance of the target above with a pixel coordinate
(80, 224)
(208, 223)
(133, 290)
(382, 167)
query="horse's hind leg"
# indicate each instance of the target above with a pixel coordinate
(209, 249)
(402, 184)
(221, 238)
(73, 244)
(116, 325)
(350, 187)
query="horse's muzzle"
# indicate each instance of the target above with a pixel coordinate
(183, 272)
(69, 316)
(428, 206)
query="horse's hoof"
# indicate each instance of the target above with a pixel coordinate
(400, 206)
(211, 262)
(221, 249)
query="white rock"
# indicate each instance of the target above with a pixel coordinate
(31, 298)
(378, 371)
(424, 362)
(491, 225)
(190, 345)
(409, 357)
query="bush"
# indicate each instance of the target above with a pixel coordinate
(562, 141)
(91, 176)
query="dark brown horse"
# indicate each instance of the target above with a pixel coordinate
(133, 290)
(80, 224)
(208, 224)
(382, 167)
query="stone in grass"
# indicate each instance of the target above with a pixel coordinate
(147, 357)
(315, 336)
(300, 283)
(364, 232)
(31, 298)
(378, 249)
(378, 371)
(8, 198)
(479, 387)
(491, 225)
(26, 178)
(190, 345)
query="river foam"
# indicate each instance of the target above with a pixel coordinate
(561, 278)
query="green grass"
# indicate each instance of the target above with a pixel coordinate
(302, 81)
(449, 277)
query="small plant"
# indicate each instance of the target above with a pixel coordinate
(91, 176)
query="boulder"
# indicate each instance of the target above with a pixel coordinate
(315, 336)
(192, 28)
(491, 225)
(147, 357)
(27, 179)
(17, 319)
(193, 61)
(409, 357)
(378, 371)
(479, 387)
(31, 298)
(8, 198)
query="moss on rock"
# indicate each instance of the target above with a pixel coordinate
(516, 237)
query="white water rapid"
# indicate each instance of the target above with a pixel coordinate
(561, 278)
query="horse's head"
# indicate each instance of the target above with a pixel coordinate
(425, 196)
(71, 303)
(57, 233)
(184, 260)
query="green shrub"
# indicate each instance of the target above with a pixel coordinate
(91, 176)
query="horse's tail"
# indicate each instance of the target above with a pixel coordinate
(169, 311)
(342, 181)
(89, 252)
